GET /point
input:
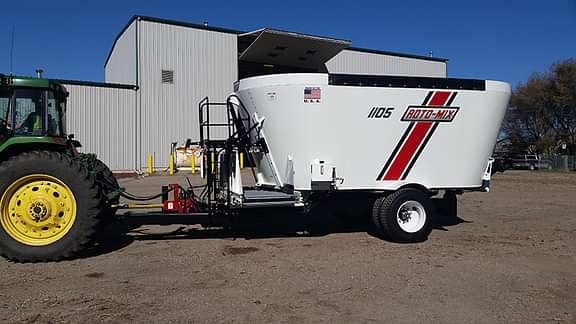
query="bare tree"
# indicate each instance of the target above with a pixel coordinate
(563, 99)
(542, 112)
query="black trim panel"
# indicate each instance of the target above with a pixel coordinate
(390, 81)
(96, 84)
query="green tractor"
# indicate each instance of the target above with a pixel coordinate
(53, 200)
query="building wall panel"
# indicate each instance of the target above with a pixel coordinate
(204, 64)
(103, 120)
(356, 62)
(121, 65)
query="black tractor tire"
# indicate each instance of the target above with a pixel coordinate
(388, 210)
(108, 184)
(89, 204)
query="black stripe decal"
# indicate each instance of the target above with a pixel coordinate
(396, 149)
(452, 97)
(428, 96)
(420, 149)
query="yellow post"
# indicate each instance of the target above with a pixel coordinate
(150, 164)
(171, 164)
(241, 160)
(212, 161)
(193, 163)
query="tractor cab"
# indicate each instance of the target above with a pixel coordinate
(31, 107)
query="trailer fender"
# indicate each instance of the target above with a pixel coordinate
(420, 187)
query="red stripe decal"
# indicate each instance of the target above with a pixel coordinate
(439, 98)
(408, 150)
(414, 140)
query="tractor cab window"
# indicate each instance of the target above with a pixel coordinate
(28, 111)
(5, 125)
(56, 111)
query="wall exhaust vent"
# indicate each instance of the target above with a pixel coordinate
(168, 76)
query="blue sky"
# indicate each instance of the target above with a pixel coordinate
(502, 40)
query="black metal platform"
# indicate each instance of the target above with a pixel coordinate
(255, 195)
(267, 198)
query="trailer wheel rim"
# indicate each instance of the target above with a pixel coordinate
(37, 210)
(411, 216)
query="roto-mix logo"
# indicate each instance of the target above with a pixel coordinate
(422, 113)
(424, 120)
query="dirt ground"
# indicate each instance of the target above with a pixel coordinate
(510, 257)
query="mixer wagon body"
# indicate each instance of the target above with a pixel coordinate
(343, 132)
(390, 141)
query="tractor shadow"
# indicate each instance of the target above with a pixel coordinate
(322, 220)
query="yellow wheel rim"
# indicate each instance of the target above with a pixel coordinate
(37, 209)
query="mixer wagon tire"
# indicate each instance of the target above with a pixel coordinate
(376, 214)
(50, 207)
(404, 216)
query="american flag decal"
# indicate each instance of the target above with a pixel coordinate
(312, 94)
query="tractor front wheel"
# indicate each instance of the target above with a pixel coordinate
(50, 207)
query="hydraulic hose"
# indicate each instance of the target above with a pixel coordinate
(143, 198)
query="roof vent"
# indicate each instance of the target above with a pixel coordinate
(168, 76)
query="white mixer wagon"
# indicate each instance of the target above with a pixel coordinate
(394, 142)
(401, 140)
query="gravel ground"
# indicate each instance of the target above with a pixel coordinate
(509, 257)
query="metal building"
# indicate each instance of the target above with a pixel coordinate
(102, 117)
(160, 69)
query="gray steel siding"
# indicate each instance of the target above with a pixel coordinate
(121, 67)
(354, 62)
(102, 119)
(204, 64)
